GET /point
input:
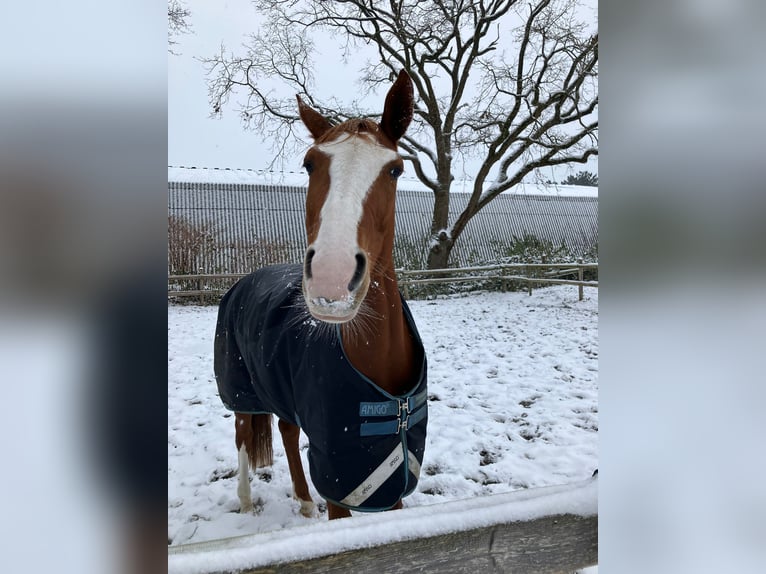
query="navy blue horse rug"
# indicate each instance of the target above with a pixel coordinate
(365, 445)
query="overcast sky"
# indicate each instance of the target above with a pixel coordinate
(195, 139)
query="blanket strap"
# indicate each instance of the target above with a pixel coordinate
(380, 475)
(409, 412)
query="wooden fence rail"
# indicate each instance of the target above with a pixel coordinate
(552, 273)
(536, 531)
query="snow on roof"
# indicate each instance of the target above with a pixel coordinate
(235, 176)
(225, 175)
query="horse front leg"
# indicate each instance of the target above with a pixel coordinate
(334, 511)
(290, 434)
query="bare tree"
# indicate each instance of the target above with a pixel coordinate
(512, 84)
(178, 22)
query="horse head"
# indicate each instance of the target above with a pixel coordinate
(353, 169)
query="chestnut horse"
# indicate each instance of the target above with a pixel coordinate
(330, 347)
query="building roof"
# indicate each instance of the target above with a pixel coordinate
(227, 175)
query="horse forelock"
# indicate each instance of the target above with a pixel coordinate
(361, 127)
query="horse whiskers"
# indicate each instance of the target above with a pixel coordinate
(378, 269)
(363, 324)
(306, 322)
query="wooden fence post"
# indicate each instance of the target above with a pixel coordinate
(529, 281)
(201, 299)
(580, 277)
(204, 287)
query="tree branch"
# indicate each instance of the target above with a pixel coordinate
(519, 101)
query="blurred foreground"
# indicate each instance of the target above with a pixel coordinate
(82, 289)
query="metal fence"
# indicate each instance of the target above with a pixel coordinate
(235, 228)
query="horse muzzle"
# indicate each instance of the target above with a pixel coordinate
(334, 287)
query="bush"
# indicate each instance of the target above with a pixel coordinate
(525, 249)
(409, 254)
(188, 246)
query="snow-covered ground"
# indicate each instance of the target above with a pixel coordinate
(513, 389)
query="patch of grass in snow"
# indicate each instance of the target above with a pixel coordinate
(487, 458)
(219, 474)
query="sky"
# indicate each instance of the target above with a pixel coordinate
(196, 139)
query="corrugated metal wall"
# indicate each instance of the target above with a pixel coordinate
(232, 228)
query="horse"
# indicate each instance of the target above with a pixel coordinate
(330, 346)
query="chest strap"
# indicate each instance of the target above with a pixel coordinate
(408, 413)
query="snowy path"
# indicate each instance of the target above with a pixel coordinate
(513, 385)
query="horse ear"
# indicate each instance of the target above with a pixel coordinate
(397, 112)
(313, 120)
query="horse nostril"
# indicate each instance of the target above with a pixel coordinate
(307, 263)
(361, 265)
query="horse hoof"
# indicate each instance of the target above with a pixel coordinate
(307, 508)
(246, 508)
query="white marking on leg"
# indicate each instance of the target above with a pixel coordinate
(243, 488)
(307, 506)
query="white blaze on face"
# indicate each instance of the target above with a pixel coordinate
(356, 162)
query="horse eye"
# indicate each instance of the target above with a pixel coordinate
(396, 171)
(309, 167)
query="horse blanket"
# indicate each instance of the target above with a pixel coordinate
(365, 445)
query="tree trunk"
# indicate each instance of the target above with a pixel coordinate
(438, 256)
(441, 239)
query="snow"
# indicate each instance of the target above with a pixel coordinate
(409, 183)
(385, 528)
(236, 176)
(513, 387)
(441, 235)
